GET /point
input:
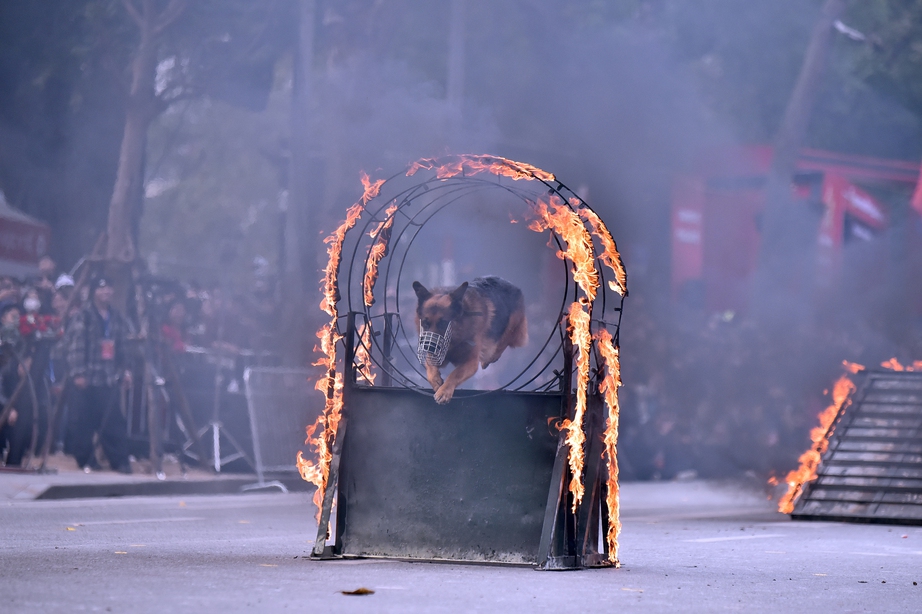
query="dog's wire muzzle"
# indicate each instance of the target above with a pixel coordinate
(433, 347)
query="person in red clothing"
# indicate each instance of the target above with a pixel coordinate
(174, 329)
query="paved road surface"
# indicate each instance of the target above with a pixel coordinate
(695, 547)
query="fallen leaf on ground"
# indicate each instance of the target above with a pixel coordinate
(359, 591)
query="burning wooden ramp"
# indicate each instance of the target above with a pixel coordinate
(872, 470)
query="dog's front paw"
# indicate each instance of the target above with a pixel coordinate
(436, 382)
(443, 395)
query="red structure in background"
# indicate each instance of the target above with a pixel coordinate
(23, 240)
(716, 211)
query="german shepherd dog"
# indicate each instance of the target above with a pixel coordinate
(474, 323)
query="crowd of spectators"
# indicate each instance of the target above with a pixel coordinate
(705, 394)
(715, 395)
(66, 353)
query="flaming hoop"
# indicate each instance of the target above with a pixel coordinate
(389, 217)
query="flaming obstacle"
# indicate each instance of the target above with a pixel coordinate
(524, 473)
(865, 463)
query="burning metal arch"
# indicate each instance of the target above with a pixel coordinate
(583, 242)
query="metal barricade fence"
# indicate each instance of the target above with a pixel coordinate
(281, 403)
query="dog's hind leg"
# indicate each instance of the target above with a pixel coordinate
(491, 351)
(515, 335)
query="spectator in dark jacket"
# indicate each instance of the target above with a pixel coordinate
(16, 420)
(96, 362)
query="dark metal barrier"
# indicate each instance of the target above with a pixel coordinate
(466, 481)
(481, 479)
(485, 478)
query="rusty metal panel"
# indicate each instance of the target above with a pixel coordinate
(466, 481)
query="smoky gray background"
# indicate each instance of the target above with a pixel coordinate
(616, 98)
(615, 105)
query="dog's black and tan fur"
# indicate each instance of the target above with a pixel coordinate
(487, 315)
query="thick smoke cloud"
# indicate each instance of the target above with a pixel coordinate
(616, 109)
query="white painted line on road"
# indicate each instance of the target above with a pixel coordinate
(708, 540)
(135, 521)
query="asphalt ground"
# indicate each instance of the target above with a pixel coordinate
(686, 547)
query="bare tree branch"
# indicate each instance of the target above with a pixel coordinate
(172, 12)
(133, 11)
(164, 102)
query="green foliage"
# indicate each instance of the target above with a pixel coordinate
(626, 84)
(746, 56)
(891, 61)
(213, 193)
(227, 49)
(62, 82)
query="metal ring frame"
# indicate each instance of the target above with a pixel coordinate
(409, 218)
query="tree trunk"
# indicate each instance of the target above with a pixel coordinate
(129, 177)
(299, 203)
(301, 277)
(786, 226)
(141, 108)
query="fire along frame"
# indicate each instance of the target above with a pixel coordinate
(487, 478)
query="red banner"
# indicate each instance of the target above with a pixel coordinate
(23, 242)
(687, 231)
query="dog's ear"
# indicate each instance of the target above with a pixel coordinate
(458, 293)
(421, 293)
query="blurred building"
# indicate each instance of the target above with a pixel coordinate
(851, 200)
(23, 240)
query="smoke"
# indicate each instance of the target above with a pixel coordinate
(618, 105)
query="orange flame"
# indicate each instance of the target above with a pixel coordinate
(331, 384)
(895, 365)
(335, 253)
(609, 389)
(852, 367)
(578, 328)
(566, 223)
(363, 356)
(810, 460)
(469, 165)
(555, 215)
(372, 188)
(609, 256)
(381, 235)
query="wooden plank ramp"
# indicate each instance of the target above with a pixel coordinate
(872, 470)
